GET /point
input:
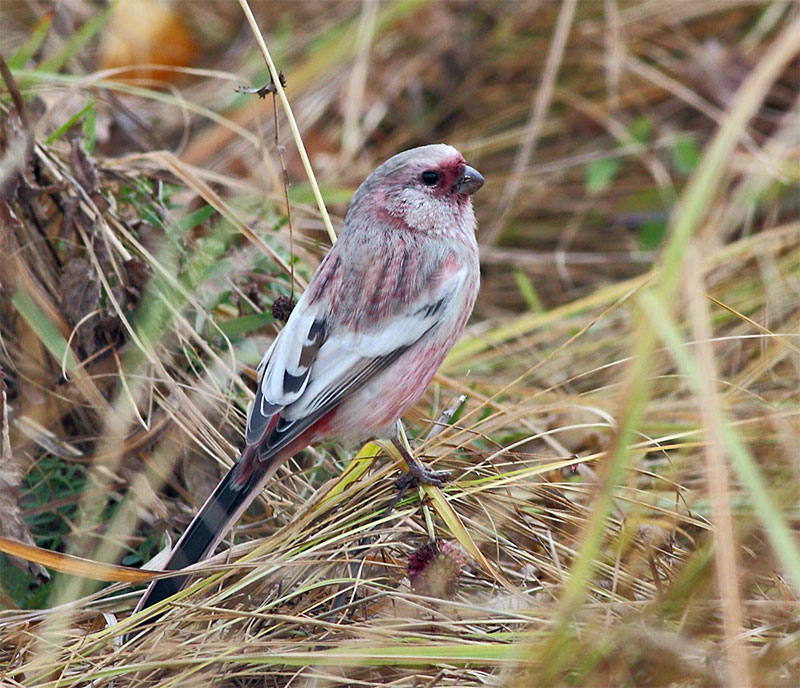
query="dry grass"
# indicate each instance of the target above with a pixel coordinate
(628, 453)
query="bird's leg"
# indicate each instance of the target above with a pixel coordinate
(417, 471)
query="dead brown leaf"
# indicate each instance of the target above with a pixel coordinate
(11, 522)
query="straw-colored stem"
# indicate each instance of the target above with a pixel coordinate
(301, 149)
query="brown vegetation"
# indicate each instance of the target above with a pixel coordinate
(627, 458)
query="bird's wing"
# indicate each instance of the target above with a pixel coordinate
(284, 370)
(313, 365)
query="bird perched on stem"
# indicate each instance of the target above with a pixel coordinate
(360, 347)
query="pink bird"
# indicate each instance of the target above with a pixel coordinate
(362, 344)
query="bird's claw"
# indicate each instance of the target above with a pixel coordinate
(417, 473)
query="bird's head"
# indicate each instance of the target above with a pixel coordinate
(424, 189)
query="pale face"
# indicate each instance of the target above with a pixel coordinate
(432, 192)
(425, 190)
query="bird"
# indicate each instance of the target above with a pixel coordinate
(364, 340)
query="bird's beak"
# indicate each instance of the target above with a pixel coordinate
(471, 180)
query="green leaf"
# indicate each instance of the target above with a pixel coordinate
(46, 331)
(15, 582)
(528, 291)
(235, 327)
(198, 217)
(89, 133)
(640, 130)
(302, 193)
(652, 234)
(64, 128)
(20, 58)
(685, 155)
(601, 173)
(77, 41)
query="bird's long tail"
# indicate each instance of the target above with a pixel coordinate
(229, 500)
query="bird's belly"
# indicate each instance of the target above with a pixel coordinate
(373, 409)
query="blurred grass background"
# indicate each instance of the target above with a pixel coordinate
(627, 458)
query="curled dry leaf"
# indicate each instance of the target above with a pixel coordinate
(82, 303)
(137, 272)
(12, 524)
(144, 33)
(80, 297)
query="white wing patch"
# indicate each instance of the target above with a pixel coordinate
(285, 368)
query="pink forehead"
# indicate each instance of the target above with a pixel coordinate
(451, 166)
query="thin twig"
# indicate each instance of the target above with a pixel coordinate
(285, 174)
(290, 117)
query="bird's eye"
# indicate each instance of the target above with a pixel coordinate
(430, 177)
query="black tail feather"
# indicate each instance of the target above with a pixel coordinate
(216, 517)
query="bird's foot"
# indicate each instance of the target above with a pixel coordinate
(422, 474)
(418, 472)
